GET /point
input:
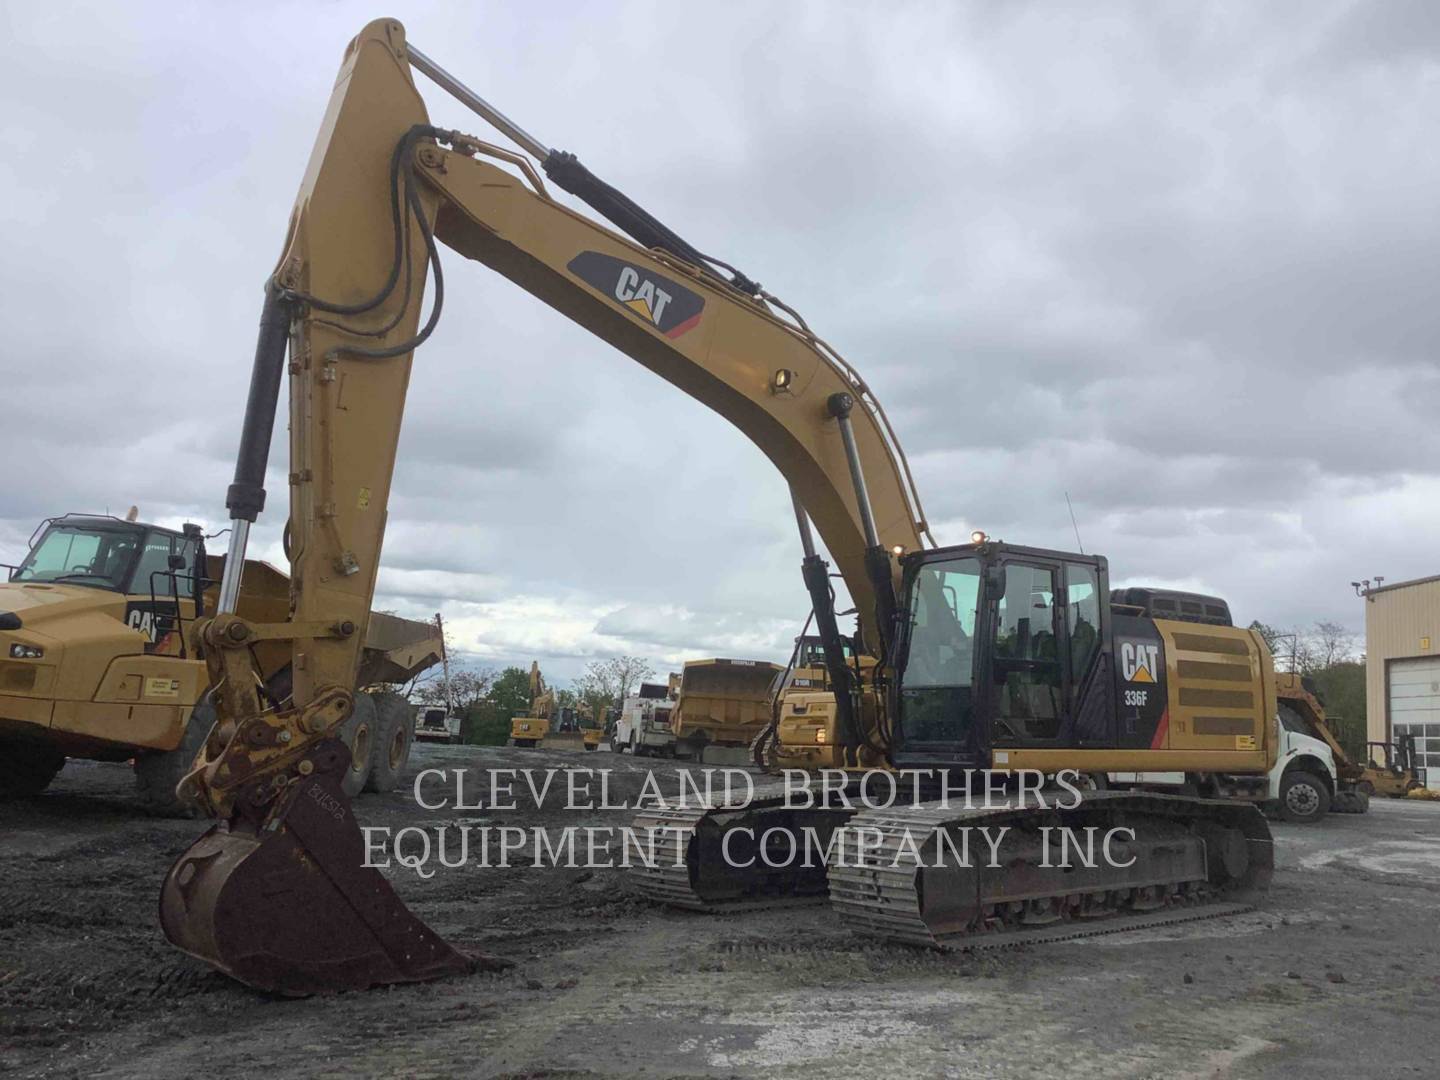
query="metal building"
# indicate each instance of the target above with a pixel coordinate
(1402, 667)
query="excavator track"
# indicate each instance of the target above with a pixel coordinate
(689, 869)
(904, 874)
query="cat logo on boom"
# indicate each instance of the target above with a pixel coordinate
(666, 305)
(1139, 660)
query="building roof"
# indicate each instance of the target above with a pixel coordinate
(1401, 584)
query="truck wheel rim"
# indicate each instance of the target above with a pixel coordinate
(397, 749)
(1302, 799)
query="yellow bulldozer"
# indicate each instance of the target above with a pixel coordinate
(99, 665)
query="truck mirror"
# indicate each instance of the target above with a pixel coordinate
(177, 562)
(994, 581)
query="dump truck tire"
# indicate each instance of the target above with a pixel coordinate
(394, 729)
(1304, 798)
(157, 772)
(26, 769)
(358, 733)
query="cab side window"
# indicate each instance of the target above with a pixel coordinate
(154, 565)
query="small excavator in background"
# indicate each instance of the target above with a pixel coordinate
(530, 727)
(550, 725)
(990, 656)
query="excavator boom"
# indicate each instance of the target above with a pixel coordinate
(341, 319)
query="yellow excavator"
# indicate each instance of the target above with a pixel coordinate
(529, 728)
(550, 725)
(989, 655)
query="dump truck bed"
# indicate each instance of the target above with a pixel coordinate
(723, 702)
(396, 649)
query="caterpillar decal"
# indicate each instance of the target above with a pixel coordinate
(1140, 683)
(157, 621)
(666, 305)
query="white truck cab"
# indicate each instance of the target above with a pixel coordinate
(644, 724)
(1303, 783)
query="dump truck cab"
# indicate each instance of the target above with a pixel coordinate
(806, 736)
(93, 656)
(96, 661)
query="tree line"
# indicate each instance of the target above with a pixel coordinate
(1329, 655)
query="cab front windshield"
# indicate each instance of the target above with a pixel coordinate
(936, 689)
(82, 555)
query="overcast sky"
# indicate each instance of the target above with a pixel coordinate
(1178, 260)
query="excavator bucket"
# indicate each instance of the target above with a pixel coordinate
(285, 904)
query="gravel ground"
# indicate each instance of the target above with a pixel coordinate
(1337, 977)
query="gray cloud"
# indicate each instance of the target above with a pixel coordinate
(1176, 262)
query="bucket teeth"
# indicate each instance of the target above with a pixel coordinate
(289, 907)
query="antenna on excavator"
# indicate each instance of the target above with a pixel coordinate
(1070, 506)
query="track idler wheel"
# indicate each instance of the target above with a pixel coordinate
(284, 903)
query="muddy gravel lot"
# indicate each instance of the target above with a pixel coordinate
(1336, 977)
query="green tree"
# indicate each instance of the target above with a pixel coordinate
(487, 715)
(486, 725)
(510, 692)
(1341, 689)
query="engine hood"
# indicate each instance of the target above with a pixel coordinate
(38, 604)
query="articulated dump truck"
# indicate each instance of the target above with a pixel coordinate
(722, 706)
(95, 660)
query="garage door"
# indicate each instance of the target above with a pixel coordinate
(1415, 709)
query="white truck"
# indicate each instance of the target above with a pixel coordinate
(644, 724)
(1302, 787)
(433, 723)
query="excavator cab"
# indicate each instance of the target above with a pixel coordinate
(999, 646)
(1006, 655)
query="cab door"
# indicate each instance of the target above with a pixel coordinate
(1049, 673)
(1028, 678)
(161, 596)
